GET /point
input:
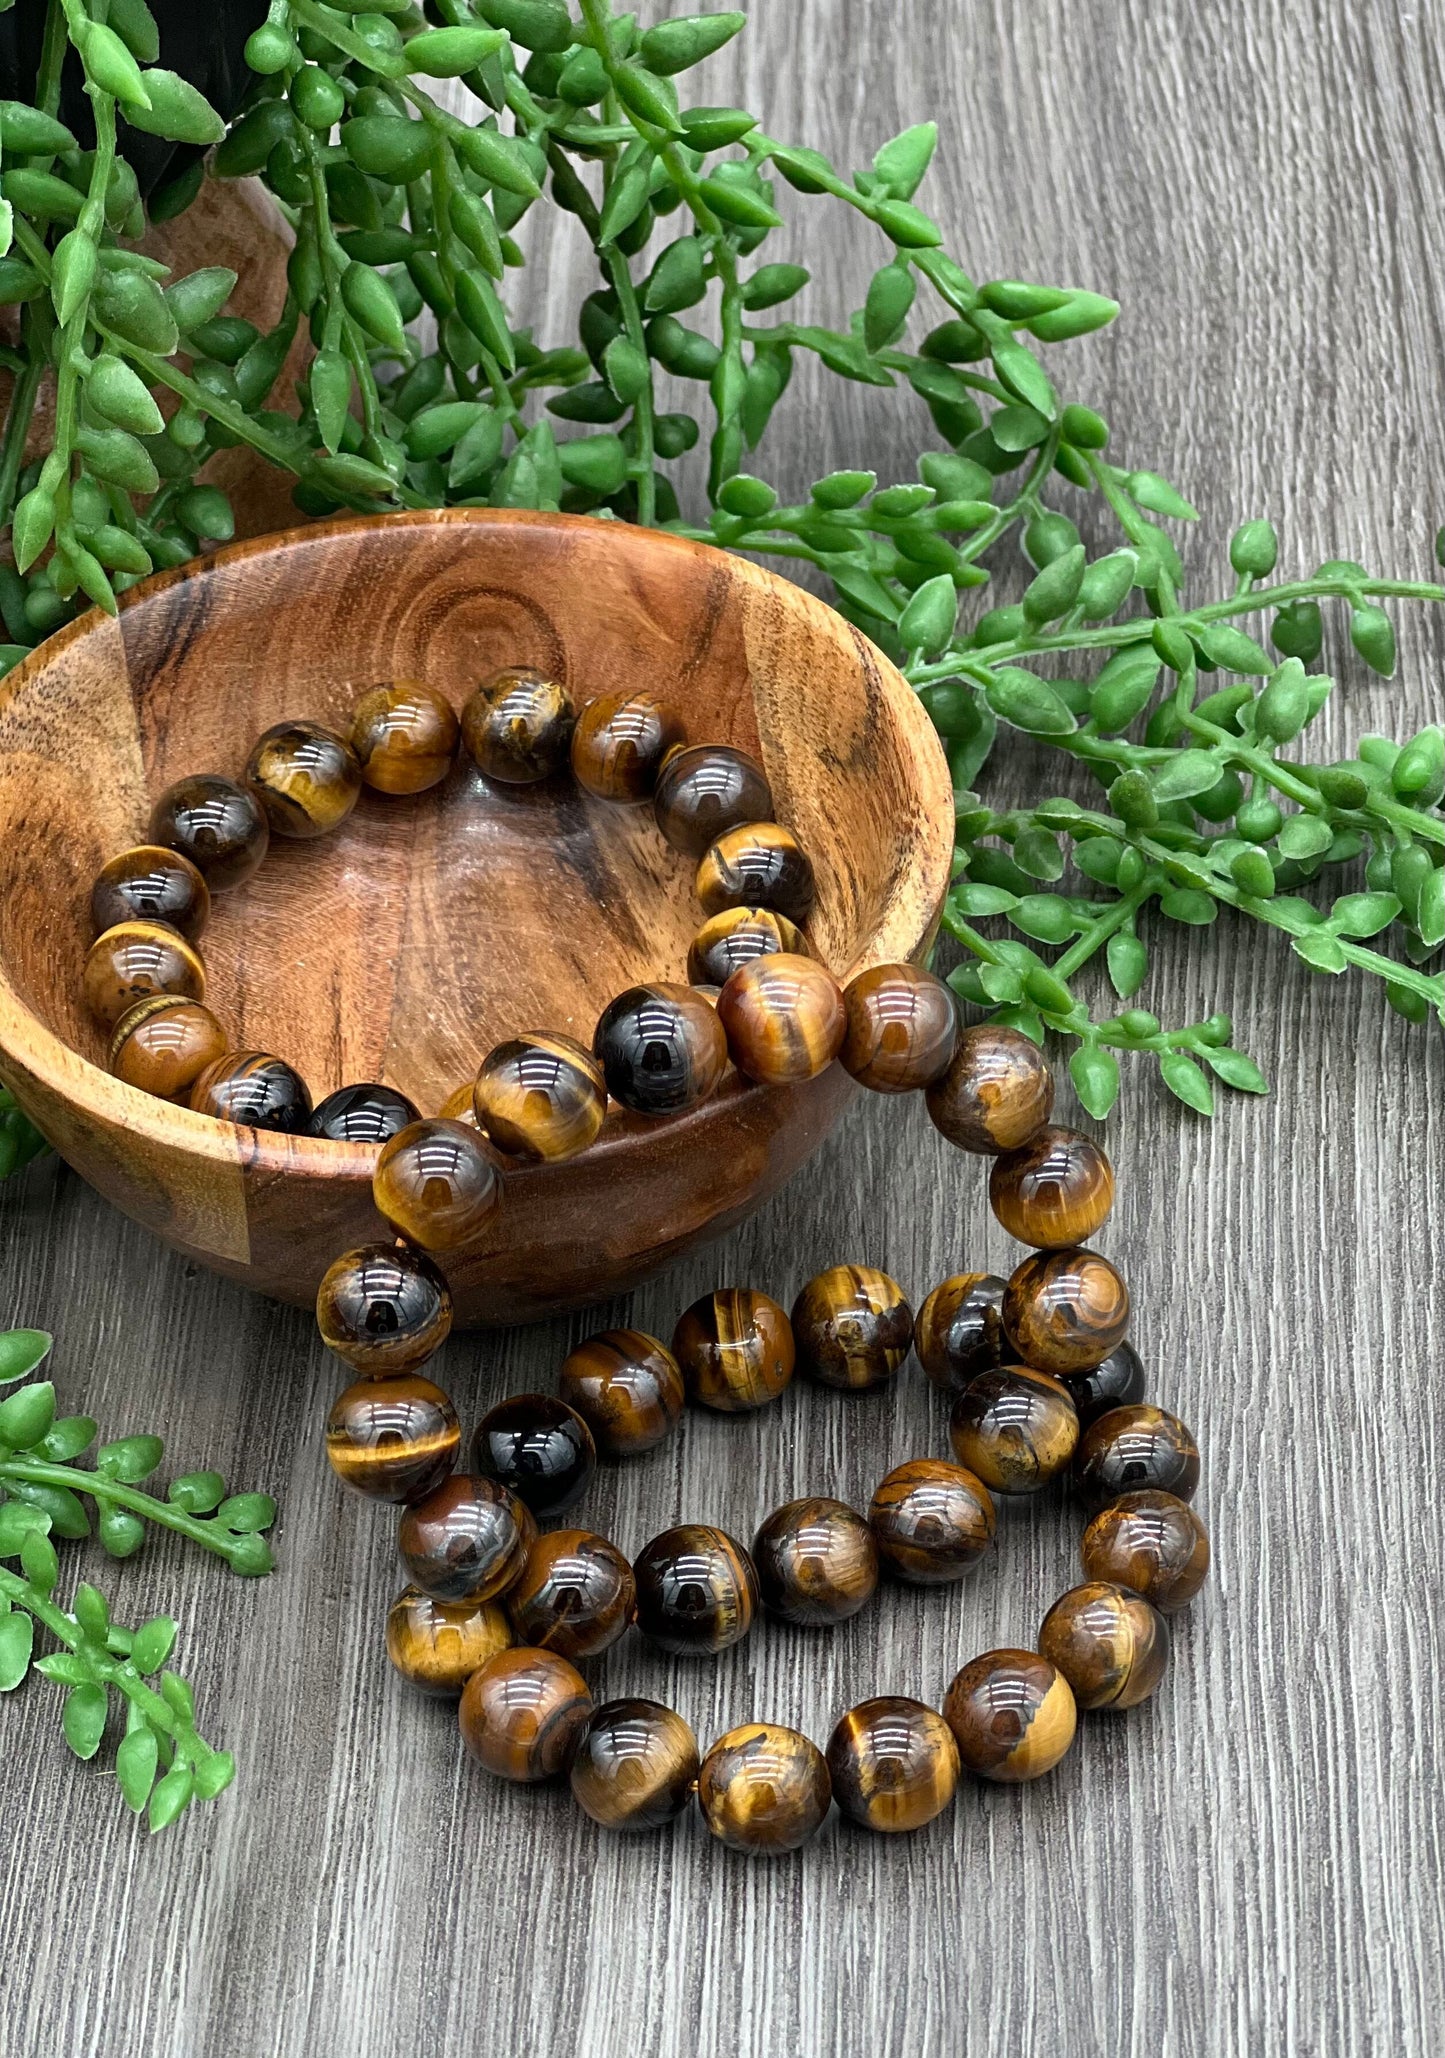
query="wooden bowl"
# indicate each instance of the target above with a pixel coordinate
(426, 930)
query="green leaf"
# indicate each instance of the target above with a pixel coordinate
(1080, 315)
(197, 1492)
(890, 296)
(1236, 1070)
(38, 1560)
(484, 315)
(901, 163)
(130, 1458)
(1022, 373)
(772, 284)
(83, 1719)
(1028, 703)
(1149, 490)
(109, 65)
(1186, 1082)
(1373, 635)
(17, 1519)
(1095, 1074)
(199, 297)
(27, 1415)
(67, 1438)
(1187, 773)
(1233, 651)
(122, 396)
(1045, 917)
(1320, 951)
(927, 622)
(864, 591)
(1128, 962)
(1123, 688)
(171, 1795)
(214, 1774)
(176, 111)
(678, 279)
(152, 1644)
(1254, 549)
(17, 1641)
(1054, 590)
(1305, 836)
(121, 1533)
(64, 1509)
(1188, 904)
(1037, 852)
(244, 1513)
(971, 897)
(1001, 982)
(448, 53)
(1363, 914)
(136, 1760)
(677, 45)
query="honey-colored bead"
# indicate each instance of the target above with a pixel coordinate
(735, 1349)
(628, 1389)
(540, 1097)
(902, 1027)
(959, 1331)
(383, 1310)
(306, 778)
(620, 742)
(393, 1439)
(436, 1185)
(995, 1093)
(540, 1448)
(816, 1561)
(255, 1090)
(736, 937)
(522, 1714)
(763, 1788)
(784, 1018)
(705, 789)
(576, 1594)
(1012, 1715)
(1055, 1191)
(518, 726)
(757, 865)
(1151, 1542)
(635, 1766)
(661, 1048)
(1065, 1311)
(365, 1113)
(149, 883)
(931, 1521)
(697, 1590)
(164, 1043)
(852, 1327)
(1111, 1645)
(1015, 1429)
(1116, 1382)
(404, 735)
(893, 1764)
(467, 1540)
(134, 960)
(1131, 1448)
(460, 1105)
(214, 823)
(438, 1645)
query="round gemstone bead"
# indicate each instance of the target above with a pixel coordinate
(214, 823)
(697, 1591)
(893, 1763)
(735, 1349)
(164, 1043)
(366, 1113)
(436, 1184)
(523, 1714)
(620, 742)
(383, 1310)
(540, 1097)
(661, 1048)
(995, 1092)
(467, 1540)
(816, 1561)
(852, 1326)
(438, 1645)
(518, 726)
(576, 1594)
(1014, 1429)
(540, 1448)
(393, 1439)
(306, 778)
(134, 960)
(705, 789)
(737, 936)
(1065, 1311)
(636, 1765)
(932, 1521)
(628, 1389)
(1110, 1644)
(763, 1788)
(784, 1018)
(254, 1089)
(902, 1025)
(1054, 1191)
(959, 1331)
(1012, 1715)
(151, 884)
(757, 864)
(404, 735)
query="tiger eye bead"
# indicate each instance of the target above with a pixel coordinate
(1055, 1191)
(619, 744)
(1111, 1645)
(306, 778)
(636, 1765)
(995, 1093)
(784, 1018)
(1151, 1542)
(1116, 1382)
(705, 789)
(254, 1089)
(134, 960)
(1065, 1311)
(763, 1788)
(931, 1521)
(1012, 1715)
(697, 1591)
(522, 1714)
(757, 865)
(215, 823)
(902, 1027)
(436, 1185)
(661, 1048)
(149, 883)
(1014, 1428)
(368, 1113)
(628, 1389)
(540, 1448)
(467, 1540)
(893, 1764)
(383, 1310)
(852, 1326)
(735, 1349)
(576, 1594)
(816, 1561)
(460, 1106)
(540, 1097)
(438, 1645)
(736, 937)
(959, 1331)
(404, 735)
(1131, 1448)
(164, 1043)
(518, 726)
(393, 1439)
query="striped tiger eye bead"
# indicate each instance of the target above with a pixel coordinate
(1111, 1645)
(436, 1185)
(215, 823)
(757, 864)
(460, 1105)
(636, 1765)
(518, 726)
(1065, 1311)
(1055, 1191)
(149, 883)
(438, 1645)
(467, 1540)
(134, 960)
(1012, 1715)
(404, 735)
(393, 1439)
(959, 1331)
(995, 1092)
(1116, 1382)
(816, 1561)
(540, 1097)
(697, 1591)
(523, 1713)
(1132, 1448)
(852, 1326)
(305, 777)
(1151, 1542)
(619, 744)
(661, 1048)
(365, 1113)
(576, 1594)
(737, 936)
(1015, 1429)
(705, 789)
(893, 1764)
(735, 1350)
(628, 1389)
(902, 1025)
(784, 1018)
(254, 1089)
(164, 1043)
(931, 1521)
(763, 1788)
(383, 1310)
(540, 1448)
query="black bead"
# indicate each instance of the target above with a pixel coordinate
(1117, 1383)
(661, 1049)
(362, 1114)
(539, 1447)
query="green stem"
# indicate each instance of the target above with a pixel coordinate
(39, 1472)
(108, 1671)
(1103, 927)
(642, 470)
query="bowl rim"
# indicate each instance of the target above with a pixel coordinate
(908, 919)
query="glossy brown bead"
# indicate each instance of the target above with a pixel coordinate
(1012, 1715)
(736, 937)
(959, 1331)
(306, 778)
(784, 1018)
(931, 1521)
(1115, 1382)
(467, 1540)
(757, 865)
(697, 1591)
(816, 1561)
(636, 1765)
(1065, 1311)
(134, 960)
(852, 1327)
(254, 1089)
(735, 1350)
(149, 883)
(460, 1105)
(393, 1439)
(1131, 1448)
(763, 1788)
(367, 1112)
(518, 726)
(523, 1713)
(893, 1764)
(995, 1092)
(164, 1043)
(576, 1594)
(902, 1027)
(1110, 1644)
(540, 1097)
(436, 1184)
(1055, 1191)
(215, 823)
(619, 744)
(1151, 1542)
(383, 1310)
(539, 1447)
(661, 1048)
(438, 1645)
(404, 735)
(1015, 1429)
(705, 789)
(628, 1389)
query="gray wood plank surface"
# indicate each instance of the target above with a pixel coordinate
(1252, 1863)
